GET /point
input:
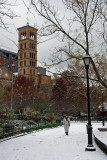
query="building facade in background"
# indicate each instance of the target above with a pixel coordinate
(9, 60)
(42, 77)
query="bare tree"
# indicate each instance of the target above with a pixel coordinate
(102, 9)
(6, 12)
(82, 13)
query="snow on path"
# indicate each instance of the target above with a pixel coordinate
(51, 144)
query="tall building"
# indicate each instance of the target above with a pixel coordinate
(27, 52)
(25, 62)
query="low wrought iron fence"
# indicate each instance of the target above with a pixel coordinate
(11, 130)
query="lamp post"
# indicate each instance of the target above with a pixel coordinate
(90, 146)
(103, 123)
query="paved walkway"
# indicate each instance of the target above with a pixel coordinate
(51, 144)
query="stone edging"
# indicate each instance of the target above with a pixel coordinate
(102, 146)
(19, 135)
(102, 129)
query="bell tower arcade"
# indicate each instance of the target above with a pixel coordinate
(27, 52)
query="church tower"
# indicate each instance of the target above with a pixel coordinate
(27, 52)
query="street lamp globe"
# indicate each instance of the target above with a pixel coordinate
(103, 122)
(87, 60)
(102, 90)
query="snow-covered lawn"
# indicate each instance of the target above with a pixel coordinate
(52, 144)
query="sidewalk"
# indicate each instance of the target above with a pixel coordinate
(52, 144)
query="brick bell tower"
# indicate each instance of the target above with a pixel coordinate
(27, 52)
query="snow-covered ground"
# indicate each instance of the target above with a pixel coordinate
(52, 144)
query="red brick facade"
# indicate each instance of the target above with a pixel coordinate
(27, 52)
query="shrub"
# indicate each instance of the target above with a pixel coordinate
(6, 113)
(51, 117)
(30, 114)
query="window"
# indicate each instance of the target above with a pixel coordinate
(24, 63)
(30, 54)
(23, 35)
(20, 71)
(30, 63)
(30, 45)
(20, 64)
(25, 54)
(25, 45)
(32, 35)
(31, 72)
(34, 56)
(24, 71)
(20, 46)
(20, 55)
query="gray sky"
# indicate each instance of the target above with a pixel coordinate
(9, 39)
(12, 33)
(44, 49)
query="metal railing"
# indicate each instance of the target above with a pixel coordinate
(12, 130)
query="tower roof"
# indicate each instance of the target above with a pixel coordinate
(28, 27)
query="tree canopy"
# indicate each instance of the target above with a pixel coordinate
(78, 28)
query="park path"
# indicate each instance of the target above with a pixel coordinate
(51, 144)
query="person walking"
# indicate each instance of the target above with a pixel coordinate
(66, 123)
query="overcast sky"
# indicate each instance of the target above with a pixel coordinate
(12, 33)
(9, 39)
(44, 49)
